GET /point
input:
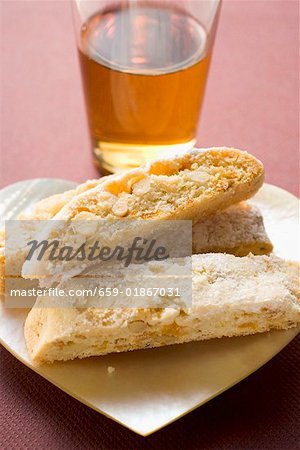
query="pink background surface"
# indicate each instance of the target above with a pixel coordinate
(252, 103)
(251, 100)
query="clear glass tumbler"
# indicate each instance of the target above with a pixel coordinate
(144, 67)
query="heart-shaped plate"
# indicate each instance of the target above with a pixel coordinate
(151, 388)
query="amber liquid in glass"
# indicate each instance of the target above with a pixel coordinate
(144, 71)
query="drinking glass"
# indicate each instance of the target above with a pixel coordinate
(144, 66)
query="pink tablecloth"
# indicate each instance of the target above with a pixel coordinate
(251, 103)
(251, 99)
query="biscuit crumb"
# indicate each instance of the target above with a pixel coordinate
(110, 370)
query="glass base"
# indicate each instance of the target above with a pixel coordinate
(113, 157)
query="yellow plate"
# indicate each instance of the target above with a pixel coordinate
(151, 388)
